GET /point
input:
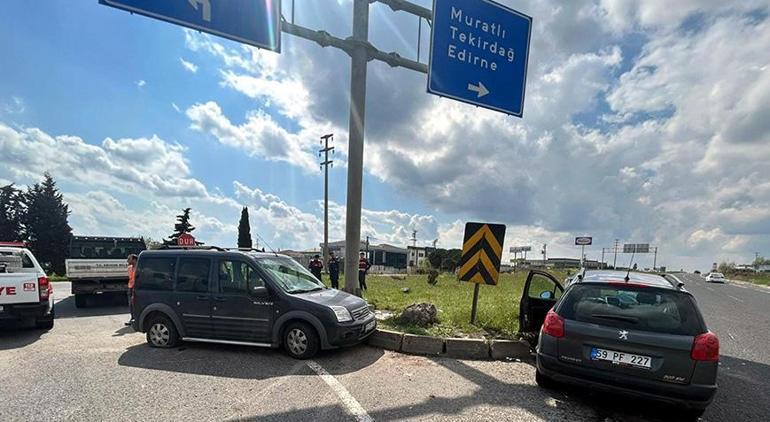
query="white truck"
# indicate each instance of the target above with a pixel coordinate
(97, 265)
(26, 295)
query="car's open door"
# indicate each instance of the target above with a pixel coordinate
(541, 291)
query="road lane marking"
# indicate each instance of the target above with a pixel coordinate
(735, 298)
(347, 399)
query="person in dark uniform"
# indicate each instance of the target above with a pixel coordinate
(363, 268)
(316, 266)
(334, 270)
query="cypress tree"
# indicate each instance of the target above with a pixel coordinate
(244, 230)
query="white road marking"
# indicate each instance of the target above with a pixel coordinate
(709, 289)
(347, 399)
(731, 336)
(735, 298)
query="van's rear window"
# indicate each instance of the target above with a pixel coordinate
(637, 308)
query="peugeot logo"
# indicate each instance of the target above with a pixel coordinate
(622, 335)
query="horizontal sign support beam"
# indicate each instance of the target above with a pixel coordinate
(397, 5)
(324, 39)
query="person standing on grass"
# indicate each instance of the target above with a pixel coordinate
(316, 265)
(334, 270)
(131, 278)
(363, 268)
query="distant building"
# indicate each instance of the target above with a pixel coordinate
(415, 257)
(558, 263)
(385, 259)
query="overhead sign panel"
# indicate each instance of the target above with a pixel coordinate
(254, 22)
(482, 250)
(517, 249)
(636, 248)
(479, 54)
(584, 240)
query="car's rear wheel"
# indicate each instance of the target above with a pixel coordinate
(161, 332)
(301, 340)
(45, 323)
(543, 381)
(691, 414)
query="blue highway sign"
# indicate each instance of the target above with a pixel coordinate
(254, 22)
(479, 53)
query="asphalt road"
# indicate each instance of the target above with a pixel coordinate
(739, 314)
(90, 367)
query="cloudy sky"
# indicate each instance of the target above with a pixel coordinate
(645, 121)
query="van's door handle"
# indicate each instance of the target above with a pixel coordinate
(202, 297)
(220, 298)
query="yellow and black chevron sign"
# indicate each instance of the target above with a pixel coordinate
(482, 250)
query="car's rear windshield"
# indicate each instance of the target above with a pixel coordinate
(717, 275)
(631, 307)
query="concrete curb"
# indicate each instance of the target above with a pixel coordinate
(460, 348)
(390, 340)
(422, 345)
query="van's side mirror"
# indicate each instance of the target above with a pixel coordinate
(259, 291)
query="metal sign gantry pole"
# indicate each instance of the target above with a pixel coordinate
(361, 52)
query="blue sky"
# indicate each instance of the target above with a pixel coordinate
(633, 128)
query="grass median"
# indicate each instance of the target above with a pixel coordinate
(762, 279)
(498, 307)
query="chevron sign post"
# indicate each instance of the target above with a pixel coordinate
(482, 253)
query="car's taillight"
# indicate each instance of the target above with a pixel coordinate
(44, 288)
(553, 325)
(705, 347)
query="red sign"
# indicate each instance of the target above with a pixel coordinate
(185, 239)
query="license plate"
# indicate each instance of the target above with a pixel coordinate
(369, 326)
(621, 358)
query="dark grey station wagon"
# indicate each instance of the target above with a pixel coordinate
(244, 298)
(631, 333)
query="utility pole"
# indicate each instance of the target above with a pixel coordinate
(602, 258)
(414, 238)
(545, 256)
(359, 59)
(615, 261)
(324, 152)
(655, 259)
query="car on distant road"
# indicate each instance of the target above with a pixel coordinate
(696, 272)
(245, 298)
(25, 292)
(716, 278)
(634, 334)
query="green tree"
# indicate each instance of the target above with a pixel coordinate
(436, 257)
(182, 225)
(12, 211)
(757, 261)
(244, 230)
(726, 267)
(46, 224)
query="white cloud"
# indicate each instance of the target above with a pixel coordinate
(259, 136)
(140, 83)
(176, 107)
(190, 67)
(14, 105)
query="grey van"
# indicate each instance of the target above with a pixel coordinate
(620, 332)
(243, 298)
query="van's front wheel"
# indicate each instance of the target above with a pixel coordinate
(301, 340)
(161, 332)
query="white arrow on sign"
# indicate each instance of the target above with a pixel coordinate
(479, 89)
(206, 8)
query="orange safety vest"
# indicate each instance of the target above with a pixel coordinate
(131, 276)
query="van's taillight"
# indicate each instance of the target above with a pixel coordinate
(44, 288)
(553, 325)
(705, 347)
